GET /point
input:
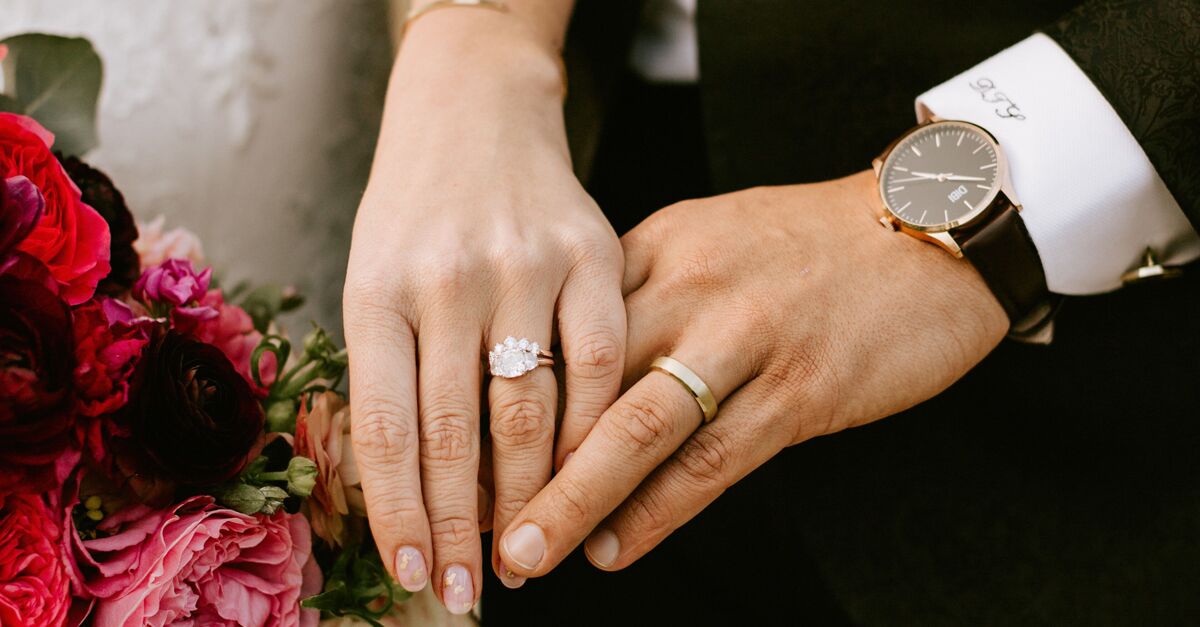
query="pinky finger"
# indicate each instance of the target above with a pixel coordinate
(712, 459)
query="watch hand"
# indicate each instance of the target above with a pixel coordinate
(915, 178)
(925, 175)
(954, 177)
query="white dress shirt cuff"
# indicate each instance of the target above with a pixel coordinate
(1092, 201)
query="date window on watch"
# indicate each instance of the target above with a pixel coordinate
(957, 193)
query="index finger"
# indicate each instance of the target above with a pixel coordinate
(631, 439)
(383, 415)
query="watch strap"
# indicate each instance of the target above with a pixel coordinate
(1002, 251)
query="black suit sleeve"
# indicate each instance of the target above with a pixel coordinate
(1144, 56)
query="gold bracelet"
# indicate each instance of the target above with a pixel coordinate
(416, 12)
(494, 5)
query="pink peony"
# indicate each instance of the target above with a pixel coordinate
(323, 435)
(34, 585)
(155, 246)
(70, 238)
(232, 331)
(175, 282)
(108, 344)
(197, 563)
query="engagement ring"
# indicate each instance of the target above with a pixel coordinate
(514, 358)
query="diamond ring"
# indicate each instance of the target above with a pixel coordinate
(514, 357)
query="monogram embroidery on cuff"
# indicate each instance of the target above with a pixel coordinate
(1005, 108)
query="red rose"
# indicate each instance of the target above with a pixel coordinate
(34, 585)
(36, 405)
(70, 238)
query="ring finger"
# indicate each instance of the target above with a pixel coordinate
(522, 412)
(642, 429)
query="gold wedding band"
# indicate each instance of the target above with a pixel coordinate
(694, 384)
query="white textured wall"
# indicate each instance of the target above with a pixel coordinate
(249, 121)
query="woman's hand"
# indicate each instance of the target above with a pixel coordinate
(473, 228)
(802, 314)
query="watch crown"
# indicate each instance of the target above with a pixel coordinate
(889, 223)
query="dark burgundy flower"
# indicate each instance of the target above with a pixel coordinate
(192, 416)
(100, 194)
(36, 405)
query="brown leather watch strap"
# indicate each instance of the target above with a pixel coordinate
(1003, 253)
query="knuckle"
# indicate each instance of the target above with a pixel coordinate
(452, 277)
(649, 513)
(643, 422)
(507, 507)
(704, 458)
(446, 434)
(571, 501)
(521, 421)
(370, 296)
(591, 249)
(381, 434)
(595, 355)
(394, 506)
(455, 531)
(698, 270)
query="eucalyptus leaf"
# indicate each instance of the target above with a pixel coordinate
(55, 80)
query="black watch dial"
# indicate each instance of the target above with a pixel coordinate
(941, 175)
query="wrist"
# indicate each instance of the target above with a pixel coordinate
(483, 53)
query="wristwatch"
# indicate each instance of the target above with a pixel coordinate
(946, 182)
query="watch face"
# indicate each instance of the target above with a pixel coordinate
(941, 176)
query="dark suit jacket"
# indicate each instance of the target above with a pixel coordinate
(1052, 485)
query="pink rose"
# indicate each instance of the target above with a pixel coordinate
(155, 246)
(197, 563)
(323, 435)
(232, 331)
(70, 238)
(34, 585)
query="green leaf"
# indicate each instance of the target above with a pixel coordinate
(266, 302)
(56, 81)
(9, 105)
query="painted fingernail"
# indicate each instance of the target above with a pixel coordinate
(458, 591)
(410, 569)
(603, 548)
(526, 545)
(510, 579)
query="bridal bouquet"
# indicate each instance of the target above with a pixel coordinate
(166, 454)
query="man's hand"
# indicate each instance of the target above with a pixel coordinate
(801, 313)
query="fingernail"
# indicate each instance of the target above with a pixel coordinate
(410, 569)
(603, 548)
(510, 579)
(526, 545)
(458, 591)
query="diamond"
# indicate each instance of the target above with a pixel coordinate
(513, 358)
